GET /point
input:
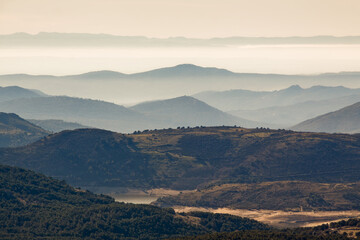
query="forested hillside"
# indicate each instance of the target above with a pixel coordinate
(33, 206)
(190, 158)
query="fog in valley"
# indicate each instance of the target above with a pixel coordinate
(279, 59)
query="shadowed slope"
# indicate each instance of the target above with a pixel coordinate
(188, 111)
(345, 120)
(15, 131)
(190, 158)
(34, 206)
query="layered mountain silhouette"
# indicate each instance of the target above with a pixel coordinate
(185, 71)
(15, 131)
(188, 79)
(345, 120)
(105, 74)
(15, 92)
(54, 39)
(54, 125)
(88, 112)
(182, 111)
(188, 111)
(286, 116)
(194, 72)
(233, 100)
(181, 71)
(275, 109)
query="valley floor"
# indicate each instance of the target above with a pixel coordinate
(275, 218)
(281, 219)
(136, 196)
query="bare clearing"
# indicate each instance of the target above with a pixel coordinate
(281, 219)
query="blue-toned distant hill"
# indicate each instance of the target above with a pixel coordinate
(88, 112)
(54, 125)
(287, 116)
(53, 39)
(185, 71)
(285, 107)
(195, 72)
(105, 74)
(15, 92)
(170, 82)
(345, 120)
(182, 111)
(239, 99)
(188, 111)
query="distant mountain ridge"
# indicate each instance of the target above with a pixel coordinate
(54, 125)
(104, 74)
(15, 92)
(186, 71)
(178, 71)
(286, 116)
(182, 111)
(84, 111)
(345, 120)
(170, 82)
(85, 39)
(188, 111)
(275, 109)
(233, 100)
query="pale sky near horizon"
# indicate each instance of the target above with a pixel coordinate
(195, 18)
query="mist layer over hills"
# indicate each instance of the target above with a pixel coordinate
(54, 125)
(164, 83)
(233, 100)
(274, 109)
(188, 111)
(183, 111)
(14, 92)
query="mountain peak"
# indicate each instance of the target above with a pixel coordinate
(344, 120)
(294, 88)
(185, 71)
(187, 65)
(103, 74)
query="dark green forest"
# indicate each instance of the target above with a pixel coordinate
(33, 206)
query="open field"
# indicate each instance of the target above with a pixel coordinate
(281, 219)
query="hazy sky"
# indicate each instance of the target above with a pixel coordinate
(189, 18)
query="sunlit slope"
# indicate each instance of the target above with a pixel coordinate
(15, 131)
(190, 158)
(281, 195)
